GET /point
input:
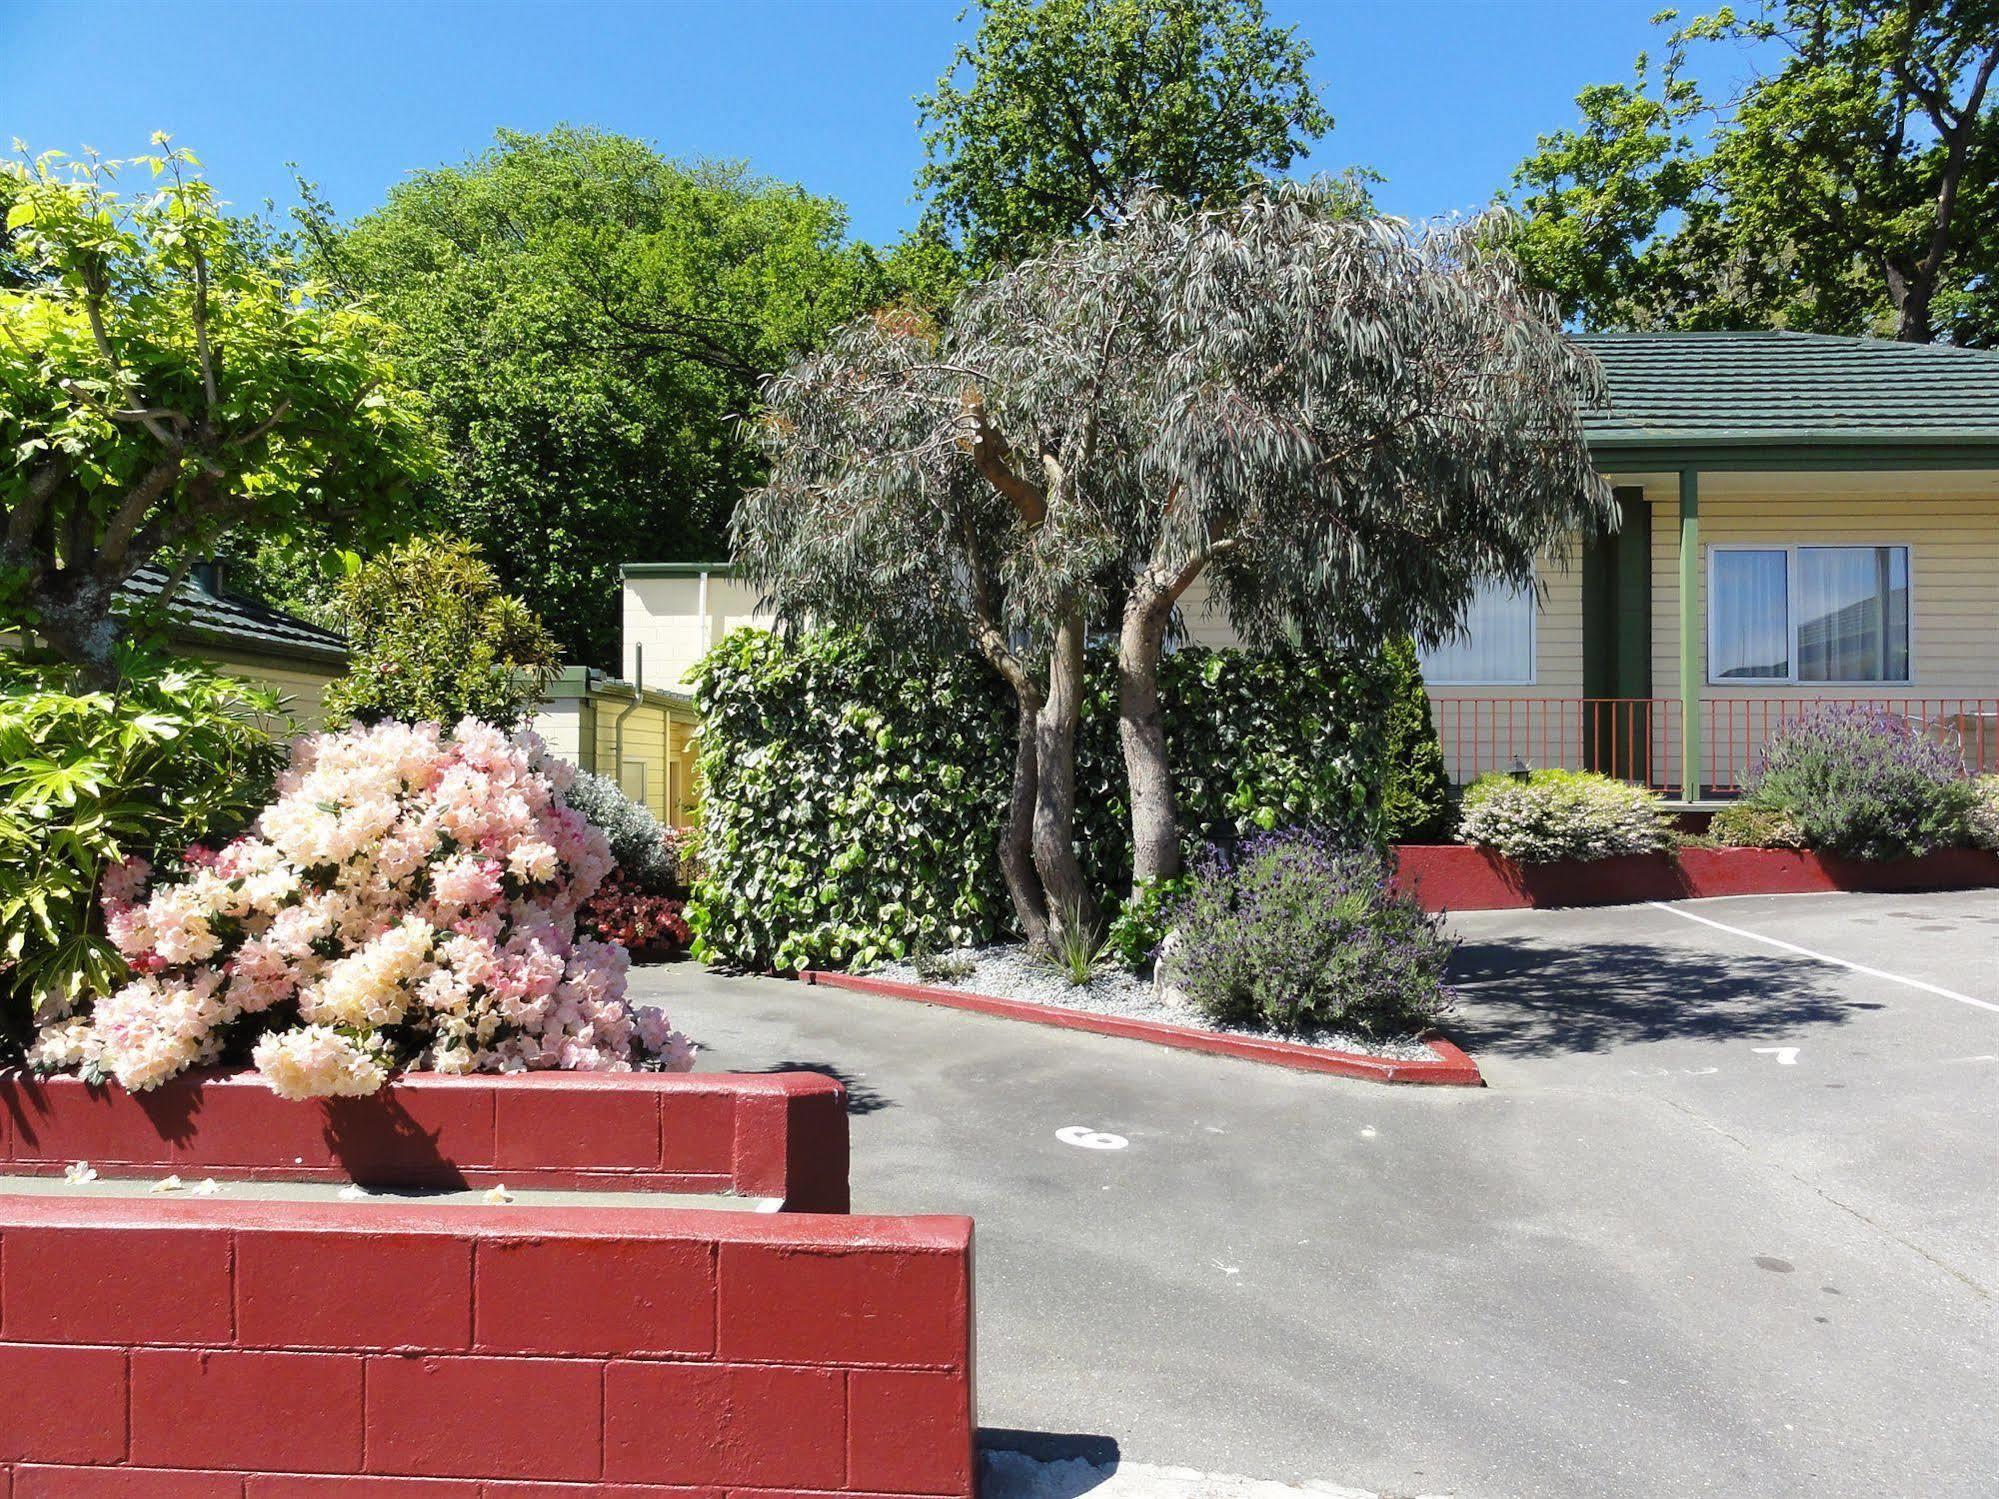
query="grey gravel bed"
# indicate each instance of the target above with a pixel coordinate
(1010, 971)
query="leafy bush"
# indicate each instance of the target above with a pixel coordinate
(646, 925)
(1134, 936)
(1257, 740)
(1416, 798)
(650, 854)
(435, 640)
(90, 780)
(1865, 783)
(1297, 933)
(1985, 813)
(853, 799)
(848, 809)
(1744, 825)
(1562, 814)
(407, 900)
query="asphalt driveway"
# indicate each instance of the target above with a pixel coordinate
(1725, 1222)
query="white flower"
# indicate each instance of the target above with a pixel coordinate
(80, 1173)
(170, 1184)
(498, 1196)
(206, 1187)
(353, 1192)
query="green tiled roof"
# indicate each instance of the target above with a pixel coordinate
(1782, 388)
(229, 619)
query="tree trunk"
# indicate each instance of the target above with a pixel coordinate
(1023, 885)
(1069, 905)
(80, 628)
(1155, 821)
(1914, 325)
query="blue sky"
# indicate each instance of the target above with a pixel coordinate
(1443, 96)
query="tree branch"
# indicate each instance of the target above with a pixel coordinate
(990, 454)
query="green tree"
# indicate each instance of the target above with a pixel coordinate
(589, 320)
(434, 638)
(1343, 425)
(167, 376)
(1851, 188)
(1058, 111)
(1416, 790)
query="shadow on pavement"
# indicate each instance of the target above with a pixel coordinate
(1529, 998)
(1043, 1464)
(861, 1099)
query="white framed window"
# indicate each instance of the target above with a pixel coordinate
(1494, 647)
(1826, 615)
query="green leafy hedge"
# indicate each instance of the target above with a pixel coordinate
(852, 800)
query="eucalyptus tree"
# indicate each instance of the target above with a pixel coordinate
(1347, 425)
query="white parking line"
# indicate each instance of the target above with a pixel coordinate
(1806, 952)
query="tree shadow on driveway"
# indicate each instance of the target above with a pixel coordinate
(1535, 998)
(861, 1099)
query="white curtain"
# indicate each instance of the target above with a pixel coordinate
(1749, 622)
(1494, 645)
(1853, 614)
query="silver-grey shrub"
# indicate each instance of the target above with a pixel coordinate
(646, 849)
(1551, 815)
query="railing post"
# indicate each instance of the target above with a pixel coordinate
(1690, 637)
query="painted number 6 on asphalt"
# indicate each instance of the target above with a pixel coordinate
(1090, 1139)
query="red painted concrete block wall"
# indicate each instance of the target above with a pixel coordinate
(292, 1351)
(778, 1135)
(1454, 877)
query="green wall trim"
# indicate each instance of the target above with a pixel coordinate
(675, 569)
(1804, 453)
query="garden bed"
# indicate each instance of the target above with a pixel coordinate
(1455, 877)
(780, 1135)
(1427, 1059)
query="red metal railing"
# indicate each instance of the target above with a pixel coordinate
(1638, 738)
(1633, 738)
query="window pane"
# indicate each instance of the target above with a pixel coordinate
(1749, 626)
(1853, 614)
(1496, 643)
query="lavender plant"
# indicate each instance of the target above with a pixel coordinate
(1864, 782)
(1298, 933)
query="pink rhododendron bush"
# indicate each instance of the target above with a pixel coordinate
(409, 900)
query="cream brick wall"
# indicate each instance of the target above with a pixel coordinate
(665, 616)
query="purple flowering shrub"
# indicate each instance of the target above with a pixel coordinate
(1863, 782)
(1297, 933)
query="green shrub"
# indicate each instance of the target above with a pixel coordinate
(1865, 783)
(1134, 936)
(1745, 825)
(1984, 818)
(1258, 740)
(1298, 932)
(1562, 814)
(848, 803)
(1416, 799)
(852, 799)
(177, 755)
(435, 640)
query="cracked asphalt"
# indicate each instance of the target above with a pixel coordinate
(1725, 1220)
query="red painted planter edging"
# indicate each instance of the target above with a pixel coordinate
(781, 1135)
(173, 1349)
(1456, 877)
(1451, 1068)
